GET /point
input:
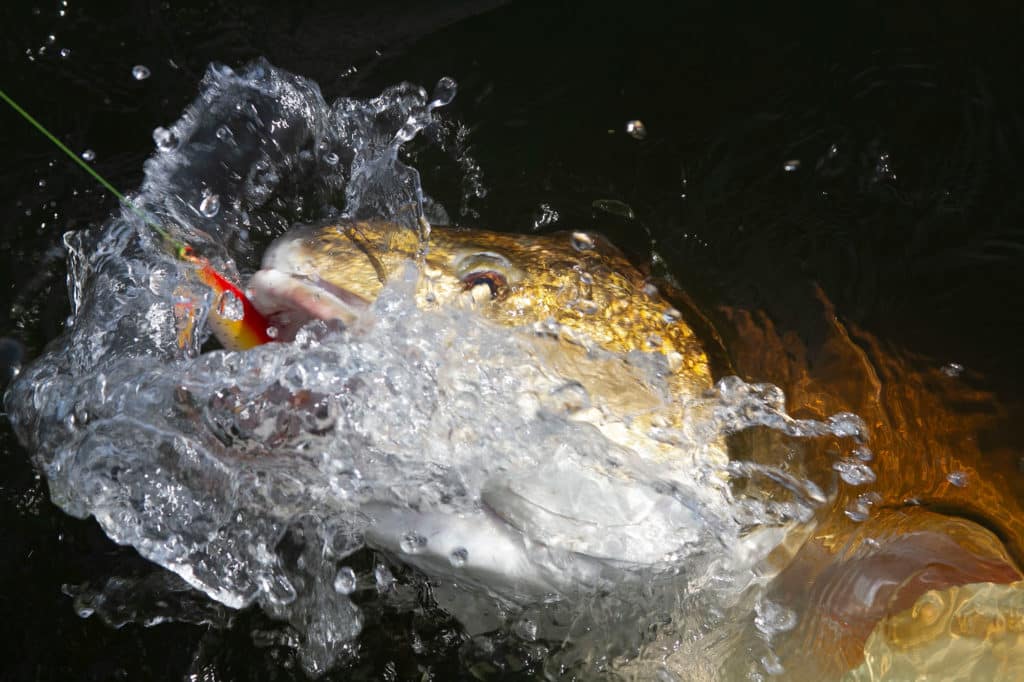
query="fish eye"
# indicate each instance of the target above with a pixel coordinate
(494, 280)
(487, 268)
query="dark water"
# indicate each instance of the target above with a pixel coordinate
(906, 206)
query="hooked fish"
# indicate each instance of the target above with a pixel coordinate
(594, 297)
(597, 298)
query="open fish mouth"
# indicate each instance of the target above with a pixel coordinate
(290, 300)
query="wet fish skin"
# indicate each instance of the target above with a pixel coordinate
(578, 280)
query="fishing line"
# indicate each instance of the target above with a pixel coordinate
(183, 251)
(254, 322)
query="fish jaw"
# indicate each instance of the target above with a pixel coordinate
(289, 300)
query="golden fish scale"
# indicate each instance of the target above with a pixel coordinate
(578, 280)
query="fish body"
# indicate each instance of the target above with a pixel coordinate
(592, 318)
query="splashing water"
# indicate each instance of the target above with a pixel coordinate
(429, 435)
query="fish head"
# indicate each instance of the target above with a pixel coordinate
(579, 281)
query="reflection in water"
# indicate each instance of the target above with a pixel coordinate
(518, 475)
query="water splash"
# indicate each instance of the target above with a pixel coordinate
(430, 435)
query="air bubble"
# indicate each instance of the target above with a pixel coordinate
(958, 478)
(140, 72)
(791, 166)
(65, 52)
(88, 155)
(273, 332)
(331, 159)
(224, 133)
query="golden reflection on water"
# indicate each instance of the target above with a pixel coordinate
(945, 508)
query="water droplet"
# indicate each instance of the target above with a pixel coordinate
(860, 509)
(458, 557)
(791, 165)
(614, 207)
(140, 72)
(345, 581)
(88, 155)
(863, 453)
(444, 92)
(671, 316)
(331, 159)
(165, 140)
(773, 618)
(65, 52)
(383, 578)
(545, 215)
(231, 307)
(526, 629)
(953, 369)
(636, 129)
(581, 241)
(412, 543)
(210, 205)
(854, 472)
(958, 478)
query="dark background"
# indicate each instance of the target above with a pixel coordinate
(907, 206)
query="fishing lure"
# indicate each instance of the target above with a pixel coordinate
(233, 318)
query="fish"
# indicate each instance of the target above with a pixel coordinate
(596, 298)
(593, 313)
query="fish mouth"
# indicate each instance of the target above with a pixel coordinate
(290, 300)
